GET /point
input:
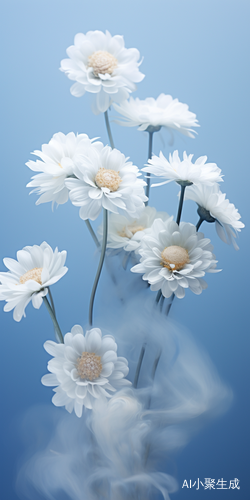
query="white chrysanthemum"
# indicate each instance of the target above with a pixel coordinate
(127, 232)
(199, 172)
(100, 64)
(174, 258)
(214, 207)
(57, 161)
(106, 179)
(84, 368)
(156, 113)
(36, 268)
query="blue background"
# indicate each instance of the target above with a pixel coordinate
(197, 51)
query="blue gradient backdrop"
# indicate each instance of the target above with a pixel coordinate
(197, 51)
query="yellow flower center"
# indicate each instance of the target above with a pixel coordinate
(102, 62)
(134, 229)
(89, 366)
(108, 178)
(127, 230)
(174, 257)
(34, 274)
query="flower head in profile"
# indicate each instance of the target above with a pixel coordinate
(152, 114)
(184, 170)
(105, 179)
(214, 207)
(127, 232)
(84, 368)
(100, 64)
(29, 277)
(174, 258)
(56, 163)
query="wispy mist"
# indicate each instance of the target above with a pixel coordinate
(116, 451)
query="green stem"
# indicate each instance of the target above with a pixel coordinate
(170, 304)
(92, 232)
(59, 335)
(99, 270)
(53, 309)
(158, 296)
(156, 362)
(161, 302)
(198, 225)
(138, 368)
(51, 301)
(180, 204)
(150, 147)
(155, 365)
(109, 129)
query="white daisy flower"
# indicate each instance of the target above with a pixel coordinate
(152, 114)
(84, 368)
(214, 207)
(36, 268)
(105, 179)
(174, 258)
(57, 161)
(100, 64)
(127, 232)
(185, 171)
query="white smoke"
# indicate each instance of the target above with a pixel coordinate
(117, 451)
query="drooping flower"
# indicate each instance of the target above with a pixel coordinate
(174, 258)
(28, 279)
(179, 171)
(127, 232)
(57, 161)
(84, 368)
(152, 114)
(106, 179)
(214, 207)
(100, 64)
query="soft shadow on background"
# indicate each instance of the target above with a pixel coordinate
(195, 51)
